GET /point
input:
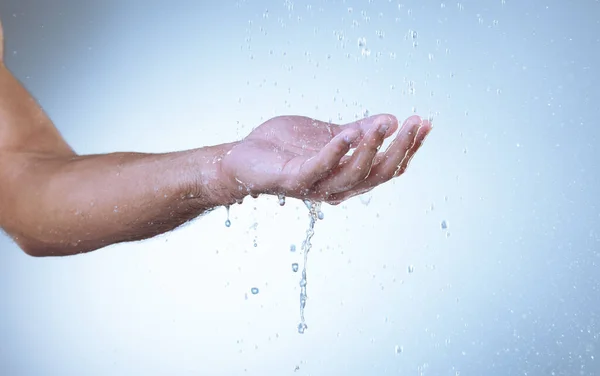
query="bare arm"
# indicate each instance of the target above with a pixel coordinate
(57, 205)
(54, 202)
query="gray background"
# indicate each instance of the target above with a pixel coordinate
(510, 288)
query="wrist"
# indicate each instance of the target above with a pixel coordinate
(209, 183)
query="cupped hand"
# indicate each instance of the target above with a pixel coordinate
(305, 158)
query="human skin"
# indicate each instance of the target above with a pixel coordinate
(54, 202)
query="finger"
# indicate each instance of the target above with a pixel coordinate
(358, 167)
(421, 134)
(397, 152)
(394, 162)
(364, 125)
(321, 165)
(338, 198)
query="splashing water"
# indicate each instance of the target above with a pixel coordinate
(315, 213)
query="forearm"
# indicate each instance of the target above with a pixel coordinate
(62, 206)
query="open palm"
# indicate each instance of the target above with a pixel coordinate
(306, 158)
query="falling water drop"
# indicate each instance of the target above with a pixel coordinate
(281, 199)
(293, 248)
(227, 222)
(254, 290)
(295, 267)
(302, 327)
(411, 269)
(444, 225)
(398, 349)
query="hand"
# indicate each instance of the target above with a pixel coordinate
(305, 158)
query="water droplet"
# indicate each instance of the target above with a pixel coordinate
(281, 199)
(365, 199)
(398, 349)
(293, 248)
(411, 268)
(362, 42)
(295, 267)
(254, 290)
(227, 222)
(302, 327)
(444, 225)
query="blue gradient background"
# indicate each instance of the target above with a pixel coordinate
(510, 288)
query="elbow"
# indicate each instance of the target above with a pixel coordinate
(33, 249)
(36, 249)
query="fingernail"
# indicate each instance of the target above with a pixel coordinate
(383, 128)
(350, 138)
